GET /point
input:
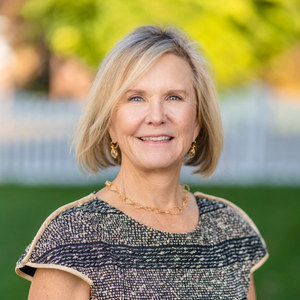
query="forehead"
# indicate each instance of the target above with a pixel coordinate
(169, 71)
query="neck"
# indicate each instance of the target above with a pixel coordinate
(156, 188)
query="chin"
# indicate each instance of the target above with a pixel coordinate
(153, 161)
(161, 164)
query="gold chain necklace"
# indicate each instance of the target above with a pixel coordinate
(176, 210)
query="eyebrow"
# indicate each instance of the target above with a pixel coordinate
(135, 91)
(171, 91)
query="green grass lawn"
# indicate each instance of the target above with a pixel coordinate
(275, 210)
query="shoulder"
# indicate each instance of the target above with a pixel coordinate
(63, 221)
(55, 240)
(228, 208)
(228, 223)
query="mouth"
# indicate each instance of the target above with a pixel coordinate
(156, 138)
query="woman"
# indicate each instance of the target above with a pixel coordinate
(144, 236)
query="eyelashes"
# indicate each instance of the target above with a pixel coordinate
(140, 99)
(135, 99)
(174, 98)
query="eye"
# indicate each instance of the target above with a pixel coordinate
(174, 98)
(136, 99)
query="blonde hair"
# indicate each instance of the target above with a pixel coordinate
(124, 65)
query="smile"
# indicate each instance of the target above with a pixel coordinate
(156, 138)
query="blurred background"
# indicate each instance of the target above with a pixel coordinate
(49, 53)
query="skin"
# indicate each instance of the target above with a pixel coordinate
(161, 104)
(51, 284)
(251, 291)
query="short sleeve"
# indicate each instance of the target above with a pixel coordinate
(240, 226)
(258, 246)
(55, 245)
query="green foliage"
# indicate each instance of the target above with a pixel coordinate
(275, 211)
(239, 37)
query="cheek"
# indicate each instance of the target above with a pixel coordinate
(125, 122)
(190, 128)
(186, 118)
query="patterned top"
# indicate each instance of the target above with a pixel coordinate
(121, 258)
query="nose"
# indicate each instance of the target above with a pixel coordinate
(156, 114)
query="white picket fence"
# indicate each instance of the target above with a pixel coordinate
(262, 141)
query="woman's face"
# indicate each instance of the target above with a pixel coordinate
(155, 121)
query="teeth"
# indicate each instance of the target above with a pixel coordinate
(155, 138)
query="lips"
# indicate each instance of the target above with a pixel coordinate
(156, 138)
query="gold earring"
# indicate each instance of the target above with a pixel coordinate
(192, 151)
(114, 150)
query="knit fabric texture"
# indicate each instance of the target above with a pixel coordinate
(123, 259)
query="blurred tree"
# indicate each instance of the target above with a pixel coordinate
(240, 38)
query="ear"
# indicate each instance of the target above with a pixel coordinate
(196, 130)
(112, 134)
(112, 128)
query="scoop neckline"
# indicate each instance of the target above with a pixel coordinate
(151, 229)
